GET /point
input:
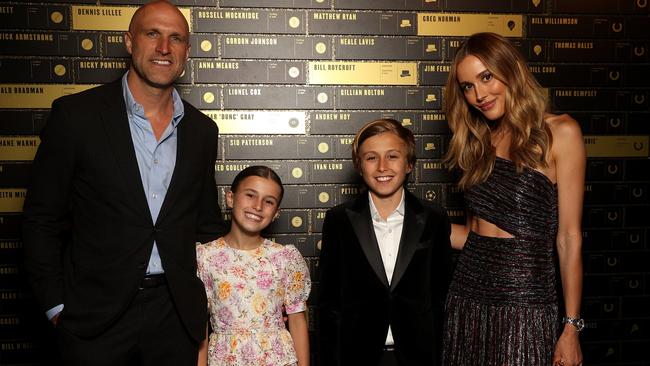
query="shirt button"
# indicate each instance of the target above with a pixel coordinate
(155, 161)
(154, 195)
(390, 230)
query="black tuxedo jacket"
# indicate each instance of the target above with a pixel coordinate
(86, 182)
(356, 302)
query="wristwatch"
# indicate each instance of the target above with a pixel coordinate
(578, 323)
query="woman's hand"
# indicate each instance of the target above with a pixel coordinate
(567, 349)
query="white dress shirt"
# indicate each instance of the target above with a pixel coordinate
(388, 233)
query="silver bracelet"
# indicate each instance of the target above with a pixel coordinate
(578, 323)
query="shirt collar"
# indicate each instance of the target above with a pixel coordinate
(135, 108)
(399, 209)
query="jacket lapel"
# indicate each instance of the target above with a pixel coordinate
(359, 216)
(414, 221)
(183, 145)
(116, 125)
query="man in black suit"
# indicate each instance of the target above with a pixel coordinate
(127, 169)
(384, 262)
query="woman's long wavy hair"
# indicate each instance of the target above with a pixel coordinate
(470, 148)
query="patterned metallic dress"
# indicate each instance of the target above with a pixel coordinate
(502, 303)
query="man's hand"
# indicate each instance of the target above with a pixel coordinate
(55, 319)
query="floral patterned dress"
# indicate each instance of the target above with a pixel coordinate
(246, 290)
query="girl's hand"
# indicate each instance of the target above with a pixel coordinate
(299, 330)
(203, 350)
(567, 349)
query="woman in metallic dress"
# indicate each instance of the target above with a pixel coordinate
(522, 174)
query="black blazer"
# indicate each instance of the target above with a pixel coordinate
(86, 181)
(357, 305)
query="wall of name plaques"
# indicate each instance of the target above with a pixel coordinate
(290, 81)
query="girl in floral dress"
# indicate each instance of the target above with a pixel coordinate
(249, 279)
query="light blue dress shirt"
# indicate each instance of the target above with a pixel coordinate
(156, 158)
(156, 161)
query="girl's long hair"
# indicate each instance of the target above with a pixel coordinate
(470, 148)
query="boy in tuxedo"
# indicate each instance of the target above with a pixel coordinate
(384, 262)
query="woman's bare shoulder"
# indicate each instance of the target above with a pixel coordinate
(563, 126)
(566, 132)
